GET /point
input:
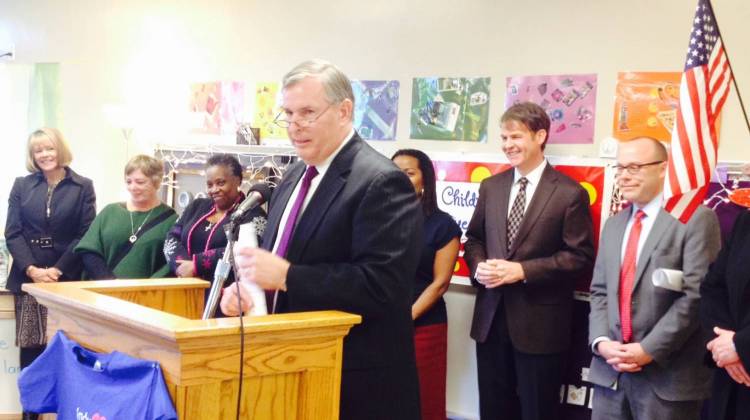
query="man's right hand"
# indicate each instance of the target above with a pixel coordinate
(617, 356)
(229, 302)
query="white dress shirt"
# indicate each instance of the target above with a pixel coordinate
(322, 168)
(533, 178)
(652, 210)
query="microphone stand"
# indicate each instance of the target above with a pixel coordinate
(221, 273)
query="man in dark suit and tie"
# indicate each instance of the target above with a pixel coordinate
(344, 229)
(644, 332)
(529, 240)
(725, 315)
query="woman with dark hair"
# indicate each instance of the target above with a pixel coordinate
(434, 272)
(126, 239)
(49, 210)
(196, 242)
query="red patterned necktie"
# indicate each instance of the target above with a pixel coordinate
(627, 276)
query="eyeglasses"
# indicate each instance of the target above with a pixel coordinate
(634, 168)
(302, 122)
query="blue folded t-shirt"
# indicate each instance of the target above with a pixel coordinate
(79, 384)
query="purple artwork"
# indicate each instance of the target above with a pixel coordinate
(570, 102)
(376, 108)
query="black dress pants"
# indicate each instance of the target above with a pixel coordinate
(516, 385)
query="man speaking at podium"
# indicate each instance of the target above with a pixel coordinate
(343, 233)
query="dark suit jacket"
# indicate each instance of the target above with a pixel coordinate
(665, 322)
(73, 208)
(355, 249)
(555, 247)
(725, 302)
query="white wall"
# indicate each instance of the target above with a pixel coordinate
(143, 54)
(462, 395)
(14, 91)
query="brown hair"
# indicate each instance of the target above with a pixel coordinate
(533, 116)
(149, 166)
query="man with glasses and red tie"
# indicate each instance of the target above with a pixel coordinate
(530, 238)
(344, 228)
(644, 331)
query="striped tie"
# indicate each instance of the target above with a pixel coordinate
(516, 212)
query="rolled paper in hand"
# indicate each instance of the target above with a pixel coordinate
(667, 279)
(249, 238)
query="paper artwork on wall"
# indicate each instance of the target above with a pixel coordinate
(646, 105)
(570, 102)
(376, 108)
(267, 107)
(216, 107)
(450, 108)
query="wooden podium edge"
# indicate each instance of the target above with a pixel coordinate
(88, 297)
(88, 315)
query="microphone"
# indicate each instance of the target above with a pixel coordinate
(257, 195)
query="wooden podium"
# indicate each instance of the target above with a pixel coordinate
(292, 362)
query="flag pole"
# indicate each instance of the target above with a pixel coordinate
(729, 63)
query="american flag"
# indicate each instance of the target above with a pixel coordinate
(703, 91)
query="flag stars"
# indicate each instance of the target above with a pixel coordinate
(703, 37)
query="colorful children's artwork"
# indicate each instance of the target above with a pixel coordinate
(569, 99)
(376, 108)
(267, 107)
(450, 108)
(216, 107)
(646, 105)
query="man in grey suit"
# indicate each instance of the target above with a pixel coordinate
(647, 344)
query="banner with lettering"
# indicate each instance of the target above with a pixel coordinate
(458, 190)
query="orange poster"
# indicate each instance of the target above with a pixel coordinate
(646, 105)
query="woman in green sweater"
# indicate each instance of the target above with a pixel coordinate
(125, 241)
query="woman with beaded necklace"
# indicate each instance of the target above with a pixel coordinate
(197, 241)
(126, 239)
